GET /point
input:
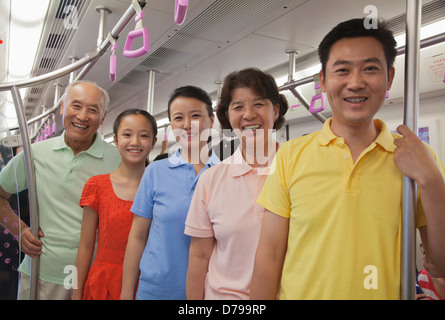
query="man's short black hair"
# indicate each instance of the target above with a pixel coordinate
(355, 28)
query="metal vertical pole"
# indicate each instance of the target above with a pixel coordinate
(104, 12)
(291, 71)
(151, 89)
(293, 89)
(411, 112)
(32, 194)
(74, 73)
(219, 86)
(57, 92)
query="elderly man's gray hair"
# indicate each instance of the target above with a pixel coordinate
(104, 93)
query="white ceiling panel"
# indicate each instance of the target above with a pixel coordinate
(217, 37)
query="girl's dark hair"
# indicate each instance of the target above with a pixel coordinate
(141, 112)
(191, 92)
(356, 28)
(261, 83)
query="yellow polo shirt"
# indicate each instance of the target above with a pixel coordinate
(345, 218)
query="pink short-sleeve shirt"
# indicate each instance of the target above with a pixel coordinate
(224, 206)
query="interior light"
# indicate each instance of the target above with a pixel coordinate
(162, 122)
(426, 31)
(109, 139)
(25, 28)
(26, 24)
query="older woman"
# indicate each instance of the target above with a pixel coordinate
(224, 219)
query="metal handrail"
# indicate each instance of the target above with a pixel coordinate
(87, 62)
(52, 75)
(410, 119)
(292, 84)
(32, 193)
(411, 113)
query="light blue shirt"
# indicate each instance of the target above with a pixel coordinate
(164, 195)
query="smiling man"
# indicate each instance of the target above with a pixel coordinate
(83, 109)
(332, 225)
(62, 166)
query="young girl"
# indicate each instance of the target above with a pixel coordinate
(106, 201)
(224, 219)
(157, 249)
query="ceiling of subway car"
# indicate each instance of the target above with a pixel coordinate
(217, 37)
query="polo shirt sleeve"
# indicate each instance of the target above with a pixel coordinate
(89, 195)
(143, 201)
(275, 194)
(198, 223)
(13, 175)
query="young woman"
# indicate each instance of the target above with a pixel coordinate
(157, 249)
(106, 200)
(224, 219)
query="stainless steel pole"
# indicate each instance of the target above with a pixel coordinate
(291, 85)
(151, 90)
(88, 61)
(411, 113)
(73, 74)
(291, 71)
(51, 75)
(219, 86)
(32, 195)
(104, 12)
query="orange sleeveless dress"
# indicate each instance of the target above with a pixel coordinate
(104, 281)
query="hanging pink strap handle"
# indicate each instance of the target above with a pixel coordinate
(47, 131)
(180, 10)
(113, 63)
(142, 32)
(54, 126)
(318, 95)
(139, 32)
(315, 98)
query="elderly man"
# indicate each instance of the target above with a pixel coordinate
(62, 166)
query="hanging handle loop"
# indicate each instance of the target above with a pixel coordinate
(47, 132)
(318, 96)
(113, 58)
(113, 66)
(54, 126)
(180, 10)
(139, 31)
